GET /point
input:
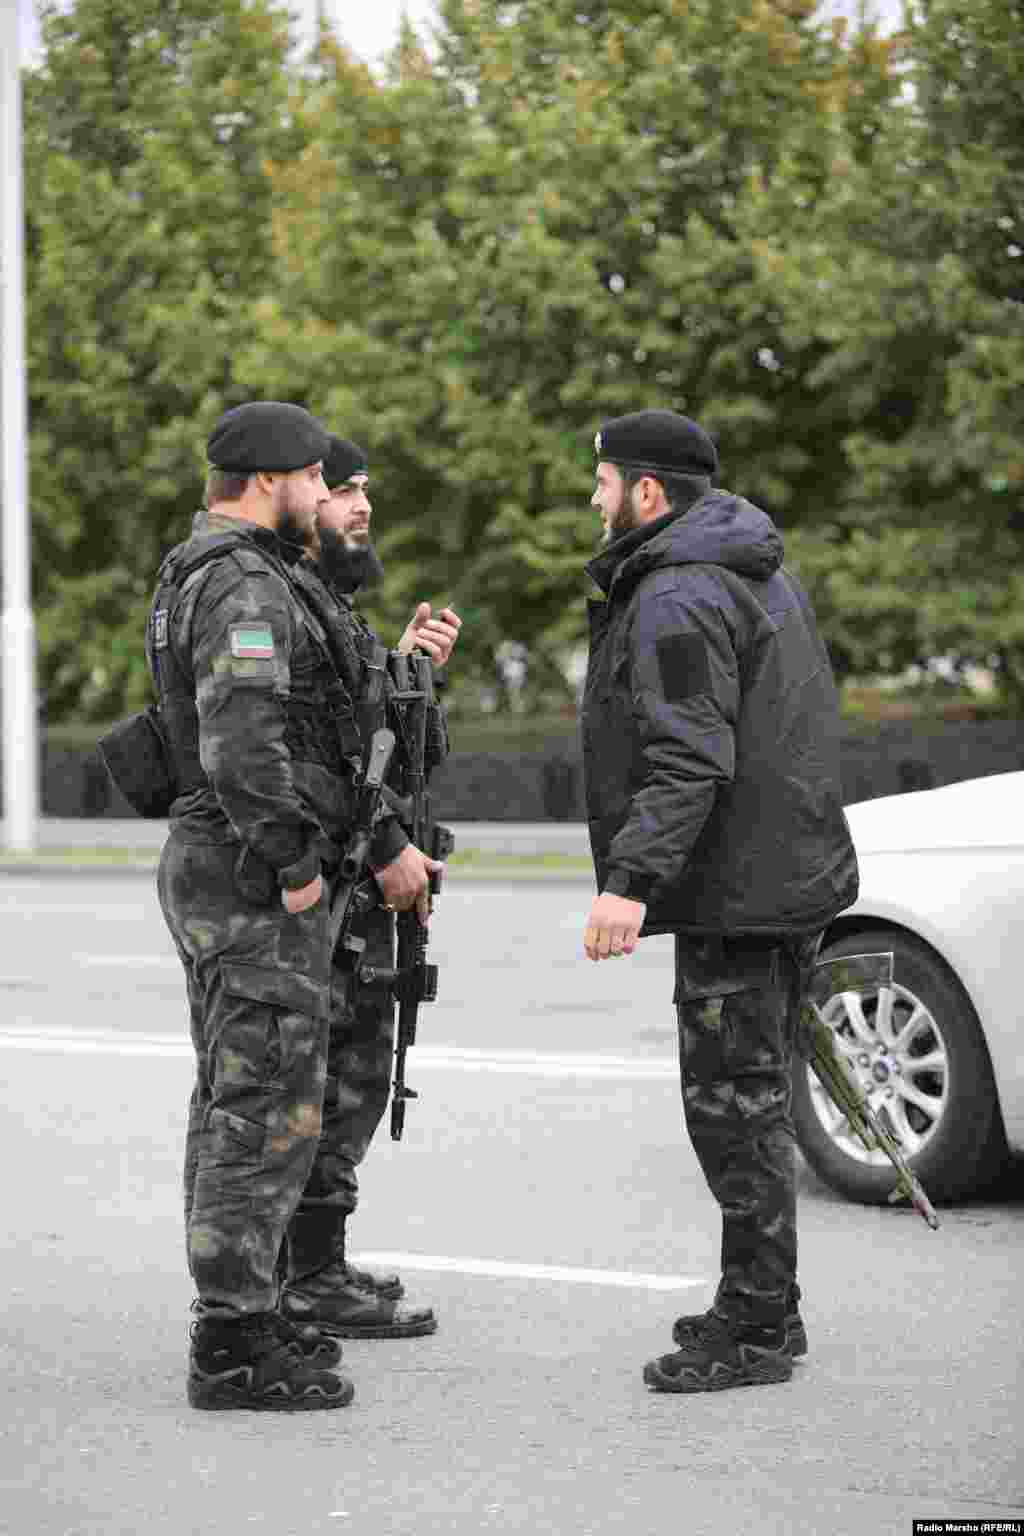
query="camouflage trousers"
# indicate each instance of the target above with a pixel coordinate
(360, 1052)
(293, 1066)
(359, 1058)
(737, 1004)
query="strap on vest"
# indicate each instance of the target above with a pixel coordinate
(376, 660)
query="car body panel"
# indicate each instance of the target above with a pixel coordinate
(948, 865)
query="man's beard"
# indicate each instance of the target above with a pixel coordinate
(624, 521)
(348, 566)
(290, 530)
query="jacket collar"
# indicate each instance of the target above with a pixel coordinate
(604, 568)
(266, 538)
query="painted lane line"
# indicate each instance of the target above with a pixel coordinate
(436, 1059)
(499, 1270)
(105, 913)
(83, 1046)
(430, 1058)
(131, 962)
(58, 1033)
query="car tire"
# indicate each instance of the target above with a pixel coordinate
(966, 1143)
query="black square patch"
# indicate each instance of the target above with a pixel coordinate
(683, 664)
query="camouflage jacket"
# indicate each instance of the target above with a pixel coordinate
(260, 722)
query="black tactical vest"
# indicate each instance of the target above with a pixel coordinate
(361, 659)
(320, 721)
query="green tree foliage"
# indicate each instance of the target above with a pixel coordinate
(494, 250)
(562, 211)
(906, 272)
(147, 131)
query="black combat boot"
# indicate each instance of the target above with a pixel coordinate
(318, 1349)
(386, 1285)
(723, 1353)
(324, 1292)
(684, 1328)
(316, 1237)
(255, 1361)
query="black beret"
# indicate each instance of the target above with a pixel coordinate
(343, 460)
(268, 435)
(657, 440)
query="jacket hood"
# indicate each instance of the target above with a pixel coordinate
(718, 529)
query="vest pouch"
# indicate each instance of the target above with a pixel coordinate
(255, 880)
(138, 758)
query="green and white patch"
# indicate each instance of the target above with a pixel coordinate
(252, 642)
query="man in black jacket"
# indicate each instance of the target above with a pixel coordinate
(710, 738)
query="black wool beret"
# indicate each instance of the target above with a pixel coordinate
(657, 440)
(267, 435)
(342, 460)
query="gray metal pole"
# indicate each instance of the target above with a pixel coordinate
(20, 736)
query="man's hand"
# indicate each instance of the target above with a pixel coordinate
(613, 926)
(434, 636)
(405, 882)
(306, 896)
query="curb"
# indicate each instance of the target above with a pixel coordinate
(29, 866)
(138, 867)
(80, 846)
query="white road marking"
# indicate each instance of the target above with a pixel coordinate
(439, 1058)
(68, 1043)
(107, 911)
(131, 962)
(497, 1269)
(429, 1058)
(442, 1058)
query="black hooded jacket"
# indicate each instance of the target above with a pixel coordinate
(710, 730)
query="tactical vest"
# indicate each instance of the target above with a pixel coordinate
(362, 660)
(320, 722)
(368, 667)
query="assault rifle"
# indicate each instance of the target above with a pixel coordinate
(355, 893)
(875, 1129)
(413, 980)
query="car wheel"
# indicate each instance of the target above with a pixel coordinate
(917, 1049)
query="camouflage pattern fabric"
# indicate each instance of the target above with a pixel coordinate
(293, 1058)
(738, 1007)
(257, 982)
(258, 666)
(359, 1057)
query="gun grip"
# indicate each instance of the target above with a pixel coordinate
(442, 842)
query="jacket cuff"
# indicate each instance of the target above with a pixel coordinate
(387, 843)
(626, 882)
(294, 876)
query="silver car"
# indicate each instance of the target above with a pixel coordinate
(942, 1049)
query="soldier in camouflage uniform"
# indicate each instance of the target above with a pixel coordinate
(710, 725)
(263, 740)
(322, 1288)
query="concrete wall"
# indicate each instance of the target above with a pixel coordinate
(547, 784)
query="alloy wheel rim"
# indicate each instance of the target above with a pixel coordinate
(893, 1046)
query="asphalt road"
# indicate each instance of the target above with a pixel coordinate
(544, 1199)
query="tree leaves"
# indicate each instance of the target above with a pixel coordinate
(809, 240)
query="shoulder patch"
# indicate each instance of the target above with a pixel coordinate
(684, 668)
(160, 618)
(252, 642)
